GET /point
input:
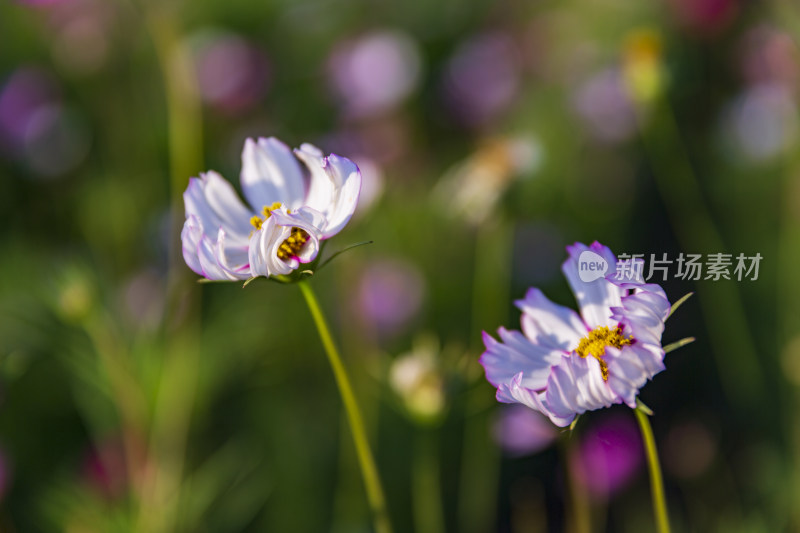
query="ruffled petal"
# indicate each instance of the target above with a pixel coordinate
(210, 267)
(213, 201)
(576, 385)
(270, 173)
(261, 245)
(264, 245)
(514, 354)
(630, 368)
(595, 297)
(642, 315)
(550, 324)
(191, 234)
(232, 258)
(334, 187)
(515, 392)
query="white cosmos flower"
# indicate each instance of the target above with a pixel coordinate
(224, 239)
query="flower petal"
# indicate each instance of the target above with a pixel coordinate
(209, 265)
(514, 392)
(642, 315)
(503, 360)
(630, 368)
(597, 296)
(213, 201)
(334, 187)
(550, 324)
(191, 234)
(576, 385)
(232, 258)
(270, 173)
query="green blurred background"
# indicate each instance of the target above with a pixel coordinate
(490, 135)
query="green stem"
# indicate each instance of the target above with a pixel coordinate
(428, 516)
(579, 512)
(369, 471)
(656, 481)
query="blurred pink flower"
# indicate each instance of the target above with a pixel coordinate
(233, 74)
(704, 16)
(390, 294)
(375, 72)
(609, 456)
(521, 431)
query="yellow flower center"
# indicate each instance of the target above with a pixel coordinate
(257, 221)
(291, 246)
(595, 342)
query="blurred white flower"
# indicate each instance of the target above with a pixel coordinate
(472, 188)
(417, 380)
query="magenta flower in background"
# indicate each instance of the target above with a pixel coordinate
(223, 239)
(563, 364)
(520, 431)
(609, 456)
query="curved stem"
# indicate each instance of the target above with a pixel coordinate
(656, 481)
(369, 471)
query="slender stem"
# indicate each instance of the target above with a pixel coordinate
(656, 481)
(428, 517)
(579, 512)
(369, 471)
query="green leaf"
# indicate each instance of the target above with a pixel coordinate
(677, 304)
(340, 252)
(640, 406)
(675, 345)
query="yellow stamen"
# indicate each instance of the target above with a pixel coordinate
(291, 246)
(257, 222)
(595, 343)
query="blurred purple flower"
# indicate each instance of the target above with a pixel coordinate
(375, 72)
(390, 294)
(770, 56)
(26, 91)
(565, 364)
(604, 106)
(609, 456)
(224, 239)
(762, 122)
(232, 73)
(37, 128)
(520, 431)
(482, 78)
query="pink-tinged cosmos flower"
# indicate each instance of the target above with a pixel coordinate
(224, 239)
(563, 364)
(608, 457)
